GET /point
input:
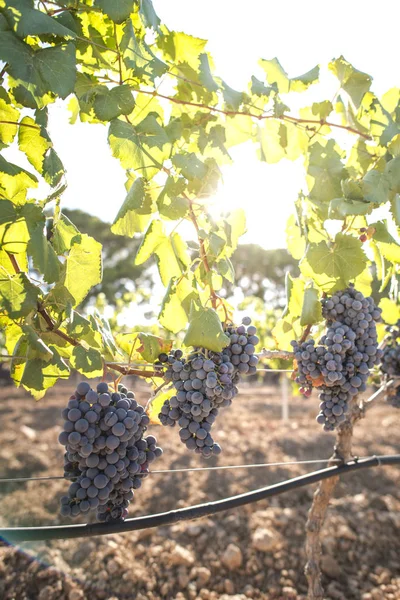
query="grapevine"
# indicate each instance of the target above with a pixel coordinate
(390, 366)
(339, 366)
(107, 455)
(204, 382)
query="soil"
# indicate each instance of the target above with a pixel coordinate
(252, 552)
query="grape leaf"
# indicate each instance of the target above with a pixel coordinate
(117, 10)
(134, 214)
(354, 82)
(32, 142)
(156, 402)
(333, 267)
(18, 294)
(175, 307)
(311, 312)
(205, 329)
(8, 113)
(37, 72)
(83, 267)
(87, 361)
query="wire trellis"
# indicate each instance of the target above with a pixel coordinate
(189, 469)
(18, 534)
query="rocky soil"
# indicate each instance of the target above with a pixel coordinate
(253, 552)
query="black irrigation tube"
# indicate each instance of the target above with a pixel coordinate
(29, 534)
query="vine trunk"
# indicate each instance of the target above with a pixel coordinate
(319, 508)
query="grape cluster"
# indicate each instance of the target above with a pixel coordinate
(106, 454)
(204, 382)
(390, 365)
(340, 364)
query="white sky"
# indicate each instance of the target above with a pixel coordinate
(300, 34)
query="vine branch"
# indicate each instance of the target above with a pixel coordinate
(261, 117)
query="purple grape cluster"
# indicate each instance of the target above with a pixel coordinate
(390, 365)
(204, 382)
(106, 454)
(340, 365)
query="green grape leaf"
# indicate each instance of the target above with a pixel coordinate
(325, 172)
(87, 361)
(53, 169)
(128, 146)
(35, 73)
(295, 242)
(35, 22)
(138, 56)
(43, 255)
(392, 171)
(64, 232)
(37, 375)
(376, 187)
(390, 311)
(394, 146)
(110, 104)
(354, 82)
(205, 329)
(278, 76)
(311, 312)
(155, 235)
(183, 48)
(8, 113)
(83, 267)
(81, 329)
(31, 141)
(5, 262)
(234, 227)
(19, 296)
(148, 14)
(340, 208)
(117, 10)
(134, 214)
(156, 402)
(333, 267)
(15, 181)
(190, 166)
(395, 209)
(226, 269)
(152, 346)
(171, 204)
(37, 344)
(175, 307)
(140, 346)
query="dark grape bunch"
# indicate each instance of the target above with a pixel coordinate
(206, 381)
(106, 454)
(390, 365)
(340, 365)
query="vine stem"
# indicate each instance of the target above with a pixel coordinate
(203, 254)
(261, 117)
(125, 370)
(20, 124)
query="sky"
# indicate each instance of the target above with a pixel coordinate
(300, 35)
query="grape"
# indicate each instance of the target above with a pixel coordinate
(83, 388)
(103, 469)
(206, 379)
(344, 356)
(102, 388)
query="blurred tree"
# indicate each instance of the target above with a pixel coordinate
(120, 274)
(261, 273)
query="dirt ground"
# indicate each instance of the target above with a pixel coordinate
(252, 552)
